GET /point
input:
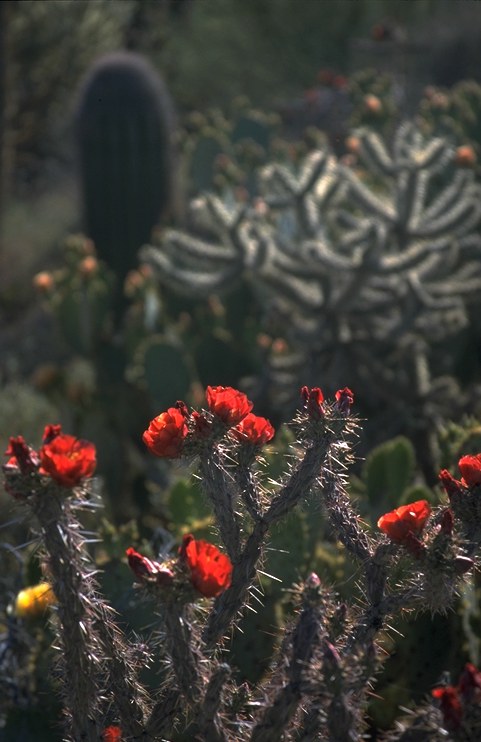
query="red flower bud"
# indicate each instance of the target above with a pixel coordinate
(210, 570)
(228, 404)
(469, 683)
(470, 468)
(465, 156)
(255, 430)
(145, 568)
(451, 485)
(406, 521)
(313, 581)
(166, 434)
(22, 456)
(68, 460)
(344, 399)
(113, 733)
(450, 705)
(313, 399)
(332, 656)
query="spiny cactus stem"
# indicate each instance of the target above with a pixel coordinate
(380, 604)
(297, 486)
(163, 714)
(129, 696)
(423, 726)
(219, 488)
(304, 640)
(299, 483)
(313, 725)
(369, 624)
(72, 584)
(278, 715)
(231, 601)
(248, 488)
(376, 571)
(180, 646)
(340, 721)
(209, 722)
(343, 518)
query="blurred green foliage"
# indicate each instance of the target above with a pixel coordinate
(388, 479)
(195, 45)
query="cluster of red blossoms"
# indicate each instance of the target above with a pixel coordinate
(167, 433)
(65, 459)
(314, 398)
(404, 524)
(454, 699)
(210, 571)
(470, 468)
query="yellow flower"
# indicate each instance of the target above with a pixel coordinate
(33, 601)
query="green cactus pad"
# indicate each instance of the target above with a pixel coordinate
(161, 367)
(250, 126)
(202, 160)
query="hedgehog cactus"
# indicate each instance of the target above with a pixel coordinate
(123, 129)
(318, 686)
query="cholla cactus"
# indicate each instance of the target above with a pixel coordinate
(320, 681)
(356, 266)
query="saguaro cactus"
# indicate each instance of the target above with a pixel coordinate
(123, 129)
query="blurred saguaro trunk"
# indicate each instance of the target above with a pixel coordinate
(124, 124)
(7, 9)
(4, 12)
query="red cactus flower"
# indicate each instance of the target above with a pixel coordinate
(254, 429)
(313, 399)
(470, 468)
(113, 733)
(450, 705)
(210, 570)
(68, 460)
(228, 404)
(166, 433)
(405, 522)
(145, 568)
